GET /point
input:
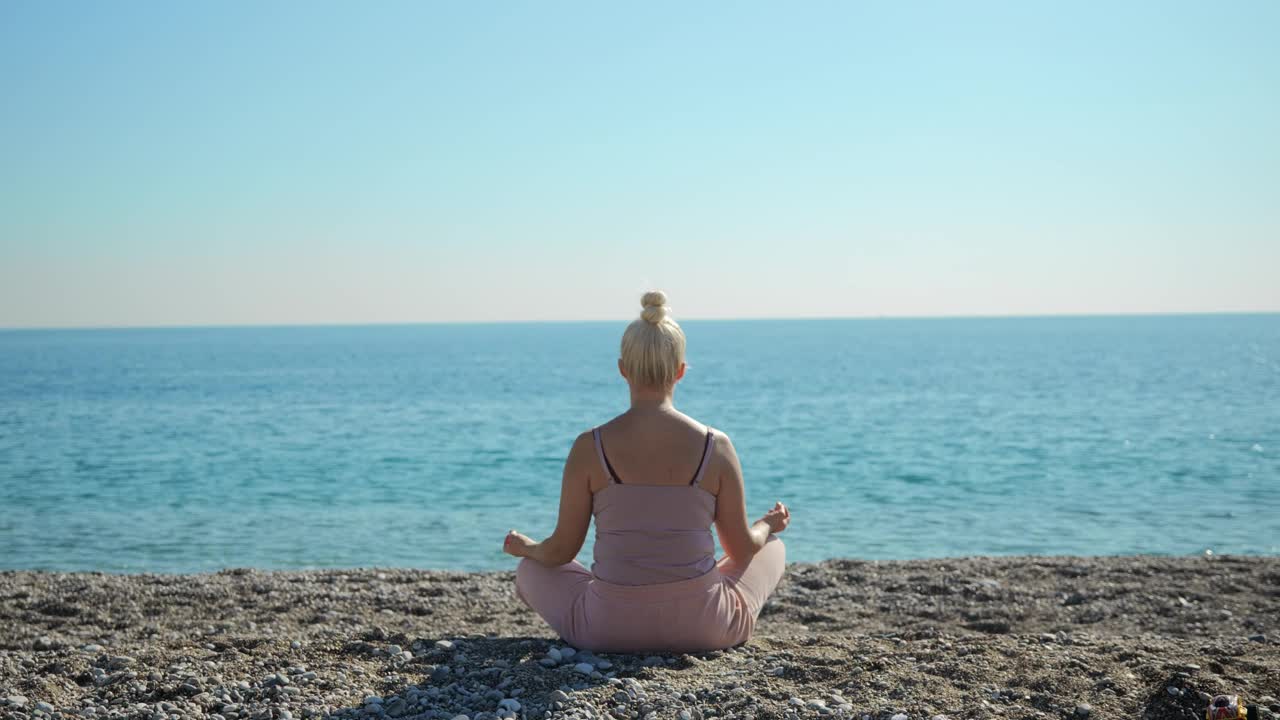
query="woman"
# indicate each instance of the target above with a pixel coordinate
(655, 479)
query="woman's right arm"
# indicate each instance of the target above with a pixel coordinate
(575, 512)
(740, 540)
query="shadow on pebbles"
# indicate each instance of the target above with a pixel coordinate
(1028, 637)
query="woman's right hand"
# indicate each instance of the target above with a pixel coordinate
(518, 544)
(777, 518)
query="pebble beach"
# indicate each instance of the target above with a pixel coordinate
(983, 637)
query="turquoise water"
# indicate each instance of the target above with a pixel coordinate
(194, 449)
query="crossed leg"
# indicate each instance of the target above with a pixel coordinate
(757, 579)
(552, 592)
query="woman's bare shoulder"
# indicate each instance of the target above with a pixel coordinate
(723, 444)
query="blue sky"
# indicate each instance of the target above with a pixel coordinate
(276, 162)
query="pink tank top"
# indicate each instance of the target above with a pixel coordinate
(651, 534)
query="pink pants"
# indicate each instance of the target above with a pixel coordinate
(713, 611)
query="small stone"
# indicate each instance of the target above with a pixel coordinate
(444, 644)
(119, 662)
(652, 660)
(44, 707)
(684, 715)
(547, 662)
(555, 655)
(1173, 691)
(602, 664)
(1083, 710)
(899, 716)
(939, 717)
(16, 700)
(584, 668)
(372, 700)
(460, 717)
(394, 649)
(92, 648)
(285, 715)
(510, 704)
(567, 653)
(1259, 638)
(295, 645)
(555, 696)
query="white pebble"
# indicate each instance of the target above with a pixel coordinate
(444, 644)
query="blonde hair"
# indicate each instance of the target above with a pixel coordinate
(653, 344)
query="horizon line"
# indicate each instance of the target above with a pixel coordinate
(414, 323)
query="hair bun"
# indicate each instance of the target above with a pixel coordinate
(654, 303)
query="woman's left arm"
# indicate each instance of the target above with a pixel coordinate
(575, 512)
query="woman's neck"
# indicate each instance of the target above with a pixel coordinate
(651, 400)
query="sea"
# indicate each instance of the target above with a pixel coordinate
(179, 450)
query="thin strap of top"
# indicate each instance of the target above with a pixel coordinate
(604, 461)
(706, 454)
(613, 476)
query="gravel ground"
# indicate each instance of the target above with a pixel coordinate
(1025, 637)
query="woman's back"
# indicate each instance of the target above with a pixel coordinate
(654, 447)
(653, 519)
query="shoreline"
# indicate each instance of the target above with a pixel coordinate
(973, 637)
(1208, 554)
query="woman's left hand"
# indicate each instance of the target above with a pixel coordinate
(517, 544)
